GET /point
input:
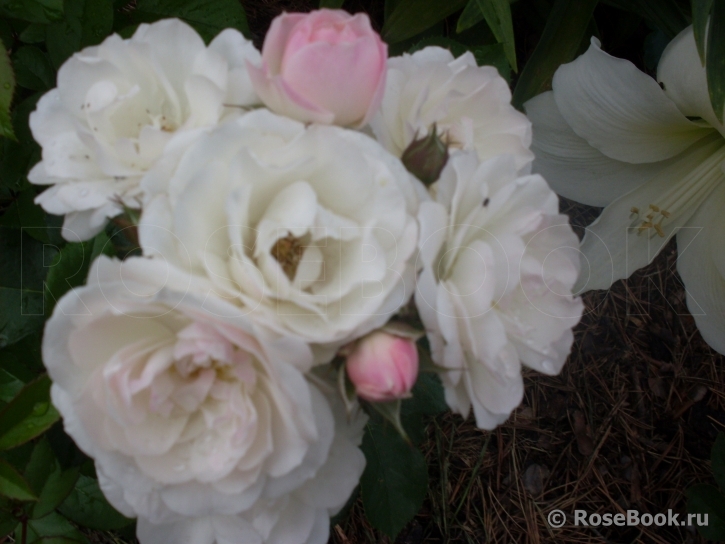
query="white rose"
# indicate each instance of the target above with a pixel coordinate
(120, 104)
(199, 424)
(311, 229)
(499, 264)
(471, 103)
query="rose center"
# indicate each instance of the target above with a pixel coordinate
(288, 251)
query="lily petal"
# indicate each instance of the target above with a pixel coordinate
(572, 167)
(684, 78)
(620, 110)
(614, 245)
(701, 264)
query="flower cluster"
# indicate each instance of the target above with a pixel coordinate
(283, 238)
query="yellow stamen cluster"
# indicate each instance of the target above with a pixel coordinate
(649, 219)
(288, 252)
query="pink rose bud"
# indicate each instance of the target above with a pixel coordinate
(383, 367)
(326, 66)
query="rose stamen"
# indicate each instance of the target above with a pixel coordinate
(288, 251)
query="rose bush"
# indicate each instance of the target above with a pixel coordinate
(310, 229)
(499, 263)
(122, 104)
(200, 425)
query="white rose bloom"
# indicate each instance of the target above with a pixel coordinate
(311, 229)
(201, 426)
(499, 264)
(471, 103)
(120, 104)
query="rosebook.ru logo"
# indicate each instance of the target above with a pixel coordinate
(581, 518)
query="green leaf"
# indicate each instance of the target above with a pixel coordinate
(13, 485)
(390, 411)
(390, 6)
(654, 46)
(33, 11)
(87, 506)
(700, 13)
(498, 16)
(33, 69)
(664, 14)
(42, 463)
(69, 269)
(718, 460)
(715, 58)
(16, 157)
(208, 17)
(55, 529)
(29, 414)
(65, 450)
(7, 88)
(56, 489)
(56, 540)
(21, 284)
(8, 522)
(331, 4)
(427, 400)
(428, 397)
(33, 33)
(24, 213)
(395, 480)
(9, 386)
(86, 22)
(471, 15)
(706, 499)
(559, 43)
(23, 358)
(51, 483)
(6, 34)
(412, 17)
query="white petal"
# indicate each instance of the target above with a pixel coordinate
(294, 525)
(204, 530)
(205, 100)
(619, 110)
(175, 46)
(613, 246)
(237, 50)
(572, 167)
(701, 264)
(685, 80)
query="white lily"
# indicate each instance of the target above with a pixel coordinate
(651, 154)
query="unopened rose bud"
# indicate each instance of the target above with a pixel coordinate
(383, 367)
(426, 157)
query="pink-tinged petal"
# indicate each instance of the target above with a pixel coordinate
(328, 61)
(377, 99)
(280, 98)
(321, 73)
(276, 39)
